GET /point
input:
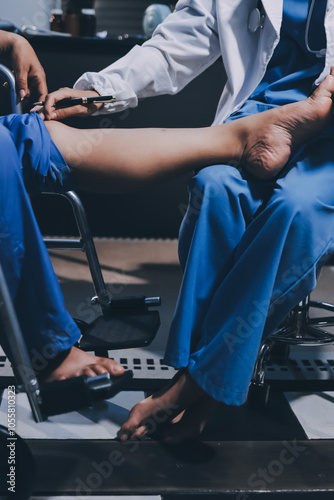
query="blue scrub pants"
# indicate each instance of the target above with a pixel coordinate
(29, 159)
(250, 250)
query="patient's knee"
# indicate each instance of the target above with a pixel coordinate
(10, 162)
(65, 139)
(6, 140)
(56, 129)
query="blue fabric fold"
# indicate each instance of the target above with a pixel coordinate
(42, 165)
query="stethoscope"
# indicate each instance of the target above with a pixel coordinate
(256, 21)
(321, 52)
(256, 18)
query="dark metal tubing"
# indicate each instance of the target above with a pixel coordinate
(322, 321)
(320, 337)
(321, 305)
(294, 332)
(18, 348)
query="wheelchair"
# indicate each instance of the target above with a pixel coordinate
(124, 322)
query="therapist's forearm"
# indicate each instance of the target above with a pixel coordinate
(182, 47)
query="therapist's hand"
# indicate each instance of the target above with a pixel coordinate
(29, 74)
(49, 111)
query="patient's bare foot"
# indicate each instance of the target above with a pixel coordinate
(271, 136)
(162, 408)
(192, 421)
(79, 362)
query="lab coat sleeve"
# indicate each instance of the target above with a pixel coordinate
(182, 47)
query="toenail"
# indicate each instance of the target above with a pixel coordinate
(123, 436)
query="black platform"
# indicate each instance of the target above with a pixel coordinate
(244, 453)
(205, 468)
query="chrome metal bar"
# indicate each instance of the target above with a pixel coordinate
(152, 301)
(322, 305)
(88, 246)
(261, 362)
(321, 321)
(311, 337)
(8, 75)
(63, 244)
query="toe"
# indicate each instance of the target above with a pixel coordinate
(112, 367)
(132, 424)
(90, 372)
(124, 434)
(140, 432)
(100, 370)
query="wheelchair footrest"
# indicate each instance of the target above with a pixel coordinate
(121, 330)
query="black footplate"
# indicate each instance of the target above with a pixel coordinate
(127, 323)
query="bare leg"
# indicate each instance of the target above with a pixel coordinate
(109, 159)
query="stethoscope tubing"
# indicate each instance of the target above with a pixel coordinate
(256, 20)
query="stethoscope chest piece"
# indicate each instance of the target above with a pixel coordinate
(255, 20)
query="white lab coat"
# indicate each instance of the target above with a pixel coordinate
(188, 42)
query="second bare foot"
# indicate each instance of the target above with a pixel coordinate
(79, 362)
(161, 408)
(192, 422)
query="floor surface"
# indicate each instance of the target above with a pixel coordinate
(150, 267)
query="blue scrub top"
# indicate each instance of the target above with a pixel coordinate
(293, 69)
